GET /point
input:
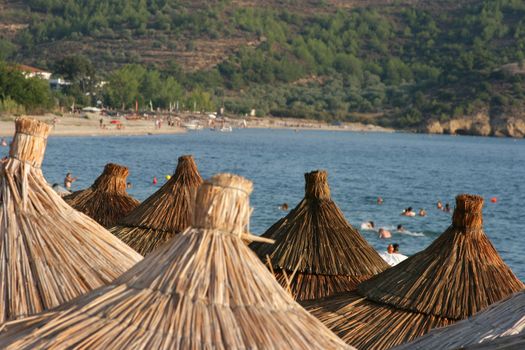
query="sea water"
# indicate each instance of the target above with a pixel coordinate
(404, 169)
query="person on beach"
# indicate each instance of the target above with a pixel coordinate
(383, 234)
(101, 123)
(439, 205)
(422, 212)
(368, 225)
(68, 181)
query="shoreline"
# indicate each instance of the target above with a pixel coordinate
(88, 126)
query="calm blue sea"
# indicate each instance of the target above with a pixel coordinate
(404, 169)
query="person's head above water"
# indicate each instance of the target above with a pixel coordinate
(371, 223)
(395, 247)
(390, 249)
(400, 227)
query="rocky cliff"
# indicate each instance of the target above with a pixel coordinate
(510, 123)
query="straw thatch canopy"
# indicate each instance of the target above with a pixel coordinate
(500, 320)
(165, 213)
(459, 274)
(49, 252)
(107, 200)
(205, 289)
(317, 252)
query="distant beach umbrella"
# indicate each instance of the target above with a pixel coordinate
(458, 275)
(205, 289)
(107, 200)
(49, 252)
(499, 322)
(317, 252)
(165, 213)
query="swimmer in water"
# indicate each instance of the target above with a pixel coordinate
(384, 233)
(68, 181)
(400, 228)
(379, 200)
(439, 205)
(408, 212)
(284, 206)
(422, 212)
(368, 225)
(447, 208)
(3, 142)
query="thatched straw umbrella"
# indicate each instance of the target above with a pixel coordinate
(500, 320)
(459, 274)
(165, 213)
(317, 252)
(205, 289)
(106, 201)
(49, 252)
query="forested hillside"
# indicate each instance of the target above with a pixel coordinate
(395, 63)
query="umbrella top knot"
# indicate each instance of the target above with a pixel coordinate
(30, 140)
(316, 186)
(222, 203)
(468, 212)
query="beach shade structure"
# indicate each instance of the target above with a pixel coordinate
(204, 289)
(49, 252)
(165, 213)
(317, 252)
(107, 200)
(499, 321)
(458, 275)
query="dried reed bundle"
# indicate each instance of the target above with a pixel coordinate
(459, 274)
(205, 289)
(49, 252)
(165, 213)
(317, 252)
(502, 319)
(106, 201)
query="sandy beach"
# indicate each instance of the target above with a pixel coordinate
(89, 125)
